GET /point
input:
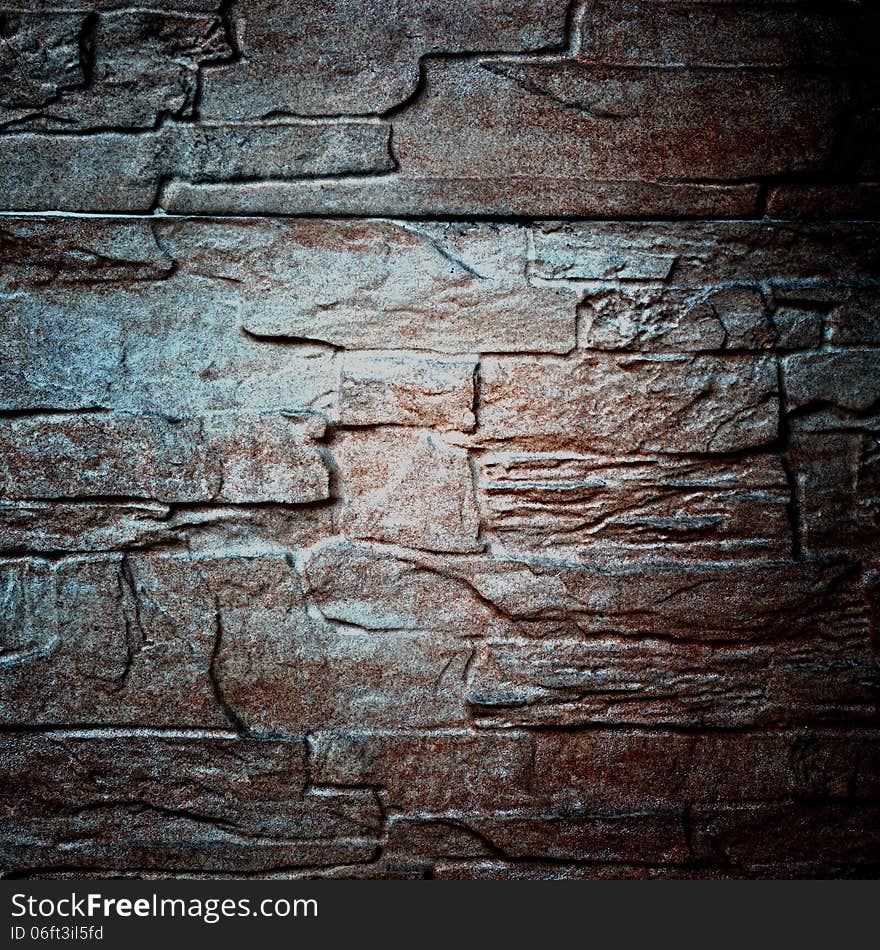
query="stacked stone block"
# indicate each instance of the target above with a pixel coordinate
(439, 444)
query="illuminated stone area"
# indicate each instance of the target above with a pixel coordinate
(440, 443)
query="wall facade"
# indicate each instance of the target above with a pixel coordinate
(440, 439)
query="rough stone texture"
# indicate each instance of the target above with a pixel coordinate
(216, 458)
(440, 440)
(662, 506)
(329, 69)
(407, 486)
(608, 107)
(448, 288)
(407, 389)
(166, 803)
(596, 402)
(653, 682)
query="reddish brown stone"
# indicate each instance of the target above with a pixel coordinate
(858, 200)
(627, 837)
(219, 458)
(407, 389)
(407, 486)
(657, 507)
(474, 475)
(174, 804)
(607, 404)
(377, 587)
(658, 683)
(299, 676)
(617, 769)
(510, 119)
(689, 33)
(432, 772)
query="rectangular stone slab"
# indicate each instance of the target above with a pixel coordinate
(619, 404)
(661, 683)
(50, 527)
(394, 285)
(182, 642)
(217, 458)
(380, 587)
(131, 640)
(119, 801)
(516, 118)
(660, 507)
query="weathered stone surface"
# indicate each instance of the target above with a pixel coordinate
(497, 870)
(449, 449)
(174, 804)
(407, 389)
(655, 682)
(277, 150)
(301, 676)
(489, 870)
(73, 175)
(861, 201)
(96, 312)
(107, 642)
(507, 119)
(121, 69)
(315, 61)
(662, 507)
(797, 328)
(688, 33)
(43, 365)
(398, 194)
(636, 837)
(216, 458)
(652, 318)
(42, 526)
(347, 283)
(46, 527)
(697, 254)
(156, 640)
(701, 602)
(192, 341)
(837, 475)
(432, 772)
(598, 770)
(603, 403)
(217, 642)
(855, 321)
(116, 172)
(844, 379)
(379, 587)
(759, 833)
(392, 285)
(407, 486)
(628, 95)
(39, 57)
(43, 251)
(638, 769)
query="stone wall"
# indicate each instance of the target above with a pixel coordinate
(440, 439)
